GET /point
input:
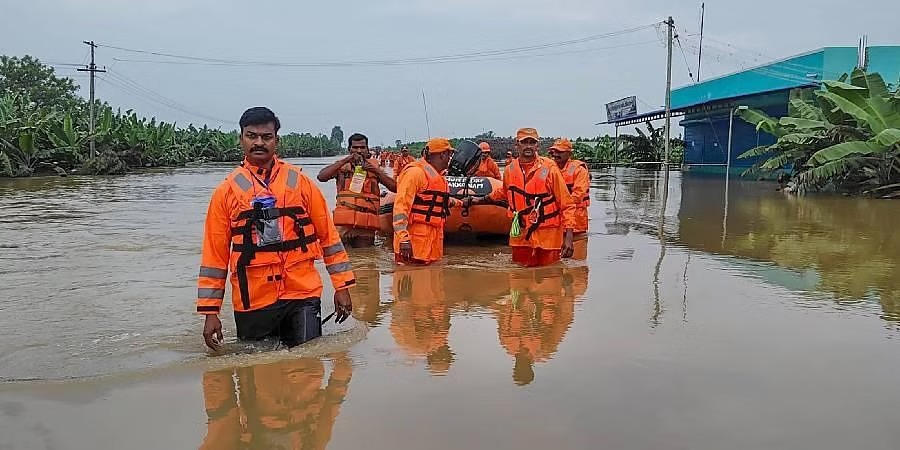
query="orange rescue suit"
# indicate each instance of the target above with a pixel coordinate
(542, 200)
(578, 181)
(420, 210)
(261, 275)
(357, 210)
(400, 162)
(488, 168)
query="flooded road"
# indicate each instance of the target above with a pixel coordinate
(764, 321)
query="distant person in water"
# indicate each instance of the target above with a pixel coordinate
(267, 223)
(402, 160)
(358, 179)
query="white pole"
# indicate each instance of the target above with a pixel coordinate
(730, 126)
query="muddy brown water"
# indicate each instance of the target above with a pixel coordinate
(769, 322)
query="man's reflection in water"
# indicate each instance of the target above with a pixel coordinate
(539, 311)
(274, 406)
(367, 305)
(420, 322)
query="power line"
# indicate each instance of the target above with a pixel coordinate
(690, 74)
(784, 72)
(484, 59)
(128, 85)
(382, 62)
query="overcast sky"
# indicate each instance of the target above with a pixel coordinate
(560, 90)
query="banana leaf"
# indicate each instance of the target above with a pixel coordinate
(804, 124)
(805, 110)
(870, 81)
(889, 137)
(757, 151)
(856, 110)
(762, 121)
(842, 150)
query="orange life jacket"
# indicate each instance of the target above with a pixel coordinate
(533, 198)
(298, 243)
(431, 206)
(569, 177)
(400, 162)
(357, 210)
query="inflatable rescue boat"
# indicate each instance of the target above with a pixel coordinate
(476, 221)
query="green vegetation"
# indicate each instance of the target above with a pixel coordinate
(44, 128)
(844, 138)
(643, 147)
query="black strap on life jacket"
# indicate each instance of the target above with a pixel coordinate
(534, 201)
(438, 198)
(358, 208)
(248, 250)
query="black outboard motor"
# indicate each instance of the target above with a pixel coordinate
(465, 160)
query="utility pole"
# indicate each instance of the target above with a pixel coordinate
(671, 25)
(92, 68)
(700, 52)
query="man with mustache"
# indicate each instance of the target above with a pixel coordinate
(538, 201)
(358, 194)
(578, 181)
(267, 224)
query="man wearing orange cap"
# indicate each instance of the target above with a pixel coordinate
(539, 202)
(488, 167)
(578, 181)
(402, 160)
(422, 205)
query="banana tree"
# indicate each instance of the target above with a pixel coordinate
(23, 130)
(846, 135)
(874, 157)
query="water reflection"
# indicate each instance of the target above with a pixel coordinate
(275, 406)
(850, 243)
(533, 309)
(420, 322)
(540, 309)
(367, 306)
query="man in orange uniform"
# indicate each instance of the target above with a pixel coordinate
(536, 193)
(402, 160)
(356, 207)
(578, 181)
(423, 202)
(488, 167)
(267, 223)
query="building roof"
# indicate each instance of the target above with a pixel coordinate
(805, 70)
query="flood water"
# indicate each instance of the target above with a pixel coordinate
(760, 321)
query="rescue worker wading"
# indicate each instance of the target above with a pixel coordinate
(488, 167)
(537, 196)
(578, 181)
(422, 205)
(402, 160)
(358, 195)
(266, 224)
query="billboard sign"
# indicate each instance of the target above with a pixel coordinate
(621, 109)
